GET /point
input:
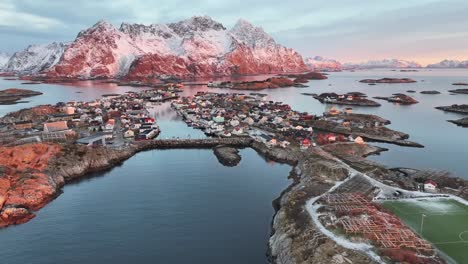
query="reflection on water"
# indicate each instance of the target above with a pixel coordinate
(171, 206)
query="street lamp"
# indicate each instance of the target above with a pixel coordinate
(422, 223)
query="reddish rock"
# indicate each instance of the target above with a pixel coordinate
(23, 185)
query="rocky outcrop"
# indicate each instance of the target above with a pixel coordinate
(12, 95)
(270, 83)
(459, 91)
(399, 98)
(430, 92)
(463, 122)
(24, 183)
(455, 108)
(227, 156)
(32, 174)
(194, 47)
(346, 99)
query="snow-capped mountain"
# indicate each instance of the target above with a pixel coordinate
(319, 63)
(4, 57)
(386, 63)
(198, 46)
(449, 64)
(35, 58)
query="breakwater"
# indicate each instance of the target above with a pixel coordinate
(195, 143)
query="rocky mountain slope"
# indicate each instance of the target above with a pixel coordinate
(35, 58)
(198, 46)
(449, 64)
(385, 63)
(4, 57)
(319, 63)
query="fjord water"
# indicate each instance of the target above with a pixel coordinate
(182, 206)
(166, 206)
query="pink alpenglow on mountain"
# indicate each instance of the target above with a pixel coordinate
(198, 46)
(319, 63)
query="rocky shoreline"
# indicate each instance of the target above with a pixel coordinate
(38, 171)
(295, 238)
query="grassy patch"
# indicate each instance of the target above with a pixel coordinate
(445, 223)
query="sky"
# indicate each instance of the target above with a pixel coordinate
(425, 31)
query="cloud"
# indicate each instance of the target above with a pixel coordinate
(348, 30)
(11, 17)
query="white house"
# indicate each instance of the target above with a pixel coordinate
(430, 186)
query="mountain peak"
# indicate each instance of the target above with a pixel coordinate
(196, 23)
(101, 26)
(250, 35)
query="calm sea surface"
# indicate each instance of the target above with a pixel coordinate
(182, 206)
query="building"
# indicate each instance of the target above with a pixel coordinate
(305, 144)
(57, 126)
(430, 186)
(129, 134)
(97, 139)
(23, 125)
(359, 140)
(109, 125)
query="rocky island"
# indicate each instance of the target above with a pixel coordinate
(13, 95)
(353, 98)
(270, 83)
(303, 77)
(227, 156)
(388, 80)
(459, 91)
(455, 108)
(430, 92)
(399, 98)
(463, 122)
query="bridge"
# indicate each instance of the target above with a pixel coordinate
(195, 143)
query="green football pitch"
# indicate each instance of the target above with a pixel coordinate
(444, 223)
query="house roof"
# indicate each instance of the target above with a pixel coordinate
(56, 126)
(431, 182)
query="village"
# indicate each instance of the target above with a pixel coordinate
(239, 115)
(117, 120)
(114, 120)
(124, 123)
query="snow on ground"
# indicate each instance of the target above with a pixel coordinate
(385, 191)
(342, 241)
(434, 205)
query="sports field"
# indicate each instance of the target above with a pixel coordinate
(444, 223)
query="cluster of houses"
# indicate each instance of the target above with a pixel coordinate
(226, 115)
(113, 118)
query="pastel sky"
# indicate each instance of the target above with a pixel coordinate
(348, 30)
